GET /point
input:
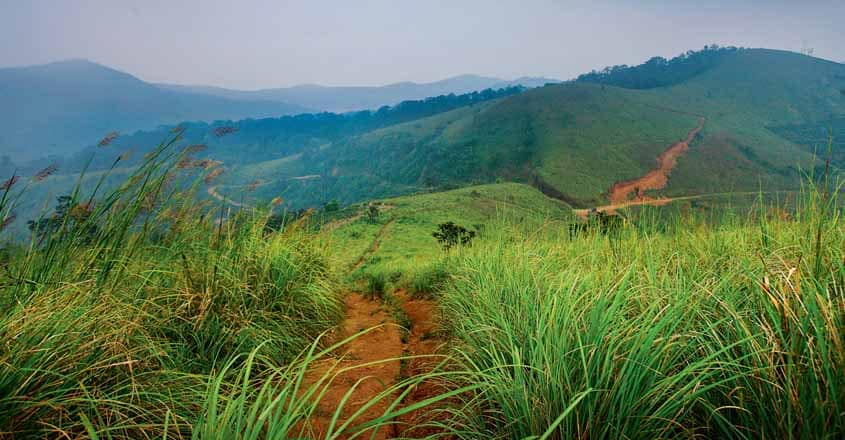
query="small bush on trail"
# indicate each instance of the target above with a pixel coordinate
(376, 284)
(450, 235)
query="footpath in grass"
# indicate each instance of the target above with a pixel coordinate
(390, 340)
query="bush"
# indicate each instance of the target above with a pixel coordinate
(372, 213)
(450, 234)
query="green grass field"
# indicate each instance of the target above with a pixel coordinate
(142, 316)
(404, 225)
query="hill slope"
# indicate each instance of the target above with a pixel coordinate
(404, 225)
(576, 140)
(573, 141)
(58, 108)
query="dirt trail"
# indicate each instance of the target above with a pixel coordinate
(335, 224)
(378, 344)
(382, 347)
(373, 247)
(584, 213)
(422, 343)
(620, 192)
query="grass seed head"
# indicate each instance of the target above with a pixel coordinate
(214, 174)
(104, 142)
(9, 183)
(7, 221)
(45, 173)
(223, 131)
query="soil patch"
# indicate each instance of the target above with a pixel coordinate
(621, 192)
(382, 347)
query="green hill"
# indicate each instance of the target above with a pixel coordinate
(763, 109)
(576, 139)
(404, 225)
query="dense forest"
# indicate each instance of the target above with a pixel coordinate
(659, 71)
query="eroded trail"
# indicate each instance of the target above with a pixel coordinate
(620, 192)
(372, 363)
(373, 248)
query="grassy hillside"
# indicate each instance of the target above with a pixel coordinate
(745, 99)
(575, 140)
(404, 225)
(578, 138)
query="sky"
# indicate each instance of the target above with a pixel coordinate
(250, 44)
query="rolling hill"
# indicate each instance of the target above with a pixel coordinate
(60, 107)
(577, 139)
(404, 224)
(763, 114)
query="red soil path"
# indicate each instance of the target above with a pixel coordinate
(373, 358)
(620, 192)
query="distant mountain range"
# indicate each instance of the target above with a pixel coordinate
(59, 108)
(351, 98)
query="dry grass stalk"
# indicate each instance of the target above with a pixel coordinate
(9, 183)
(45, 173)
(214, 174)
(223, 131)
(108, 139)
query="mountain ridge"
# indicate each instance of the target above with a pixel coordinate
(354, 98)
(59, 107)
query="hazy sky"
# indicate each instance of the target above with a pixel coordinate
(267, 43)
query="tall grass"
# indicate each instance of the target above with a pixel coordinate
(688, 329)
(114, 321)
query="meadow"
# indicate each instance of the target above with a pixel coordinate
(145, 313)
(721, 319)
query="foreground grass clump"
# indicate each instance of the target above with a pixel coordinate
(119, 322)
(733, 330)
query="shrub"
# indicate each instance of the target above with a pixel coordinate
(372, 213)
(450, 234)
